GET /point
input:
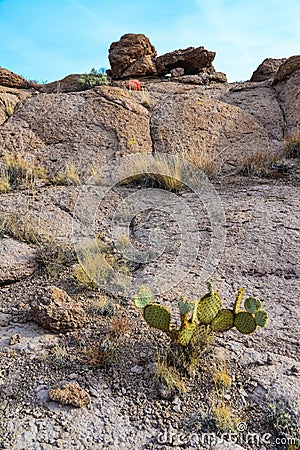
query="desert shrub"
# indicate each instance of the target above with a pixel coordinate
(22, 169)
(94, 78)
(292, 146)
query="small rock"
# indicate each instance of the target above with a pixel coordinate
(70, 394)
(15, 339)
(56, 311)
(227, 396)
(136, 369)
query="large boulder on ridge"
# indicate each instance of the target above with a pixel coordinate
(267, 69)
(192, 60)
(132, 56)
(12, 80)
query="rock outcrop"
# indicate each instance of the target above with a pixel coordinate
(12, 80)
(189, 123)
(132, 56)
(191, 60)
(17, 260)
(287, 85)
(267, 69)
(70, 83)
(83, 128)
(56, 311)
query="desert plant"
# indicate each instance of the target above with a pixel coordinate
(286, 424)
(68, 177)
(292, 146)
(158, 171)
(53, 257)
(200, 320)
(4, 182)
(94, 78)
(22, 169)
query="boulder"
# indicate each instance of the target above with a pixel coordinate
(11, 79)
(211, 130)
(260, 100)
(17, 260)
(267, 69)
(86, 129)
(192, 60)
(287, 69)
(56, 311)
(287, 85)
(132, 56)
(70, 83)
(70, 394)
(10, 101)
(202, 78)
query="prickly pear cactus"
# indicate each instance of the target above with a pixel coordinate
(252, 305)
(238, 300)
(261, 318)
(209, 306)
(143, 297)
(223, 321)
(184, 336)
(157, 316)
(245, 322)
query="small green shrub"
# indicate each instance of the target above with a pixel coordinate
(94, 78)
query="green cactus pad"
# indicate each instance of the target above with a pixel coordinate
(238, 300)
(261, 318)
(245, 322)
(184, 336)
(143, 297)
(208, 307)
(252, 305)
(157, 316)
(223, 321)
(184, 307)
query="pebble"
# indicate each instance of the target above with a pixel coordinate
(136, 369)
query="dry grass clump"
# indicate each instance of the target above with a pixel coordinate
(68, 177)
(22, 169)
(292, 146)
(168, 376)
(100, 265)
(4, 182)
(159, 170)
(205, 160)
(21, 228)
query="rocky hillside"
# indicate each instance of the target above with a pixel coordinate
(78, 362)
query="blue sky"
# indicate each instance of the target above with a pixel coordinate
(47, 40)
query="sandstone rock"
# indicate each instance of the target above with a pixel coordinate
(85, 129)
(11, 79)
(222, 133)
(11, 98)
(287, 85)
(70, 83)
(56, 311)
(203, 78)
(260, 100)
(267, 69)
(287, 69)
(17, 260)
(70, 394)
(133, 55)
(191, 59)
